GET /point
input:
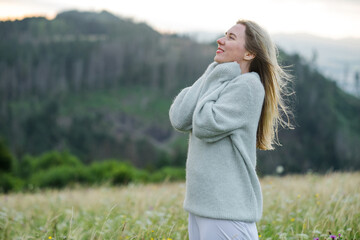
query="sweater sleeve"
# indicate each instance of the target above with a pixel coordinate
(183, 106)
(217, 116)
(182, 109)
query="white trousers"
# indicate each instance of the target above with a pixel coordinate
(201, 228)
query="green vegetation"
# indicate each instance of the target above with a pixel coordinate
(150, 106)
(6, 159)
(60, 169)
(8, 180)
(295, 207)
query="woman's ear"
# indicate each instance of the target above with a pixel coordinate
(249, 56)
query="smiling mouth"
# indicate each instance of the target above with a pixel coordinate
(220, 50)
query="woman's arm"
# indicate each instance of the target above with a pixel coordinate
(182, 109)
(218, 115)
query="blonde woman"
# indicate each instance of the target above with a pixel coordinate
(231, 110)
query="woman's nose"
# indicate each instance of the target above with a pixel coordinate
(220, 41)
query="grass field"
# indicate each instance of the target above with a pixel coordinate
(295, 207)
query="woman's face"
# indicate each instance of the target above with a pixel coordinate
(231, 47)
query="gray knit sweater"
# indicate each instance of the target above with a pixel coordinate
(221, 110)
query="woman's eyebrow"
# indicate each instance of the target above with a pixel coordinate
(232, 34)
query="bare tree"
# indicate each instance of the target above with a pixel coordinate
(357, 83)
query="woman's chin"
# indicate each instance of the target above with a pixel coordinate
(218, 60)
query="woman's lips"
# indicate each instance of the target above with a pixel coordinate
(220, 50)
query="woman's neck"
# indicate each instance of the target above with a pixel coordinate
(245, 67)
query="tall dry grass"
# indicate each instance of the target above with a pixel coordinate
(295, 207)
(311, 206)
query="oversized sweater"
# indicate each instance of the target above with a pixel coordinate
(221, 111)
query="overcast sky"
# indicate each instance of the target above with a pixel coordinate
(326, 18)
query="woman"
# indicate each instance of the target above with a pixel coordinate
(231, 110)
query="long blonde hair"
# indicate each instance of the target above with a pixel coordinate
(274, 80)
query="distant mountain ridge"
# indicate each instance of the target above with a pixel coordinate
(336, 59)
(101, 86)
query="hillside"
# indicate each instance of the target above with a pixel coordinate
(327, 126)
(100, 86)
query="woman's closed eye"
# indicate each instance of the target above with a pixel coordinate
(231, 36)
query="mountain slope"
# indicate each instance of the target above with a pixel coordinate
(327, 126)
(101, 86)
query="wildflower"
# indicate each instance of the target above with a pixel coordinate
(339, 235)
(298, 196)
(316, 238)
(332, 236)
(279, 169)
(259, 235)
(293, 219)
(50, 237)
(152, 239)
(317, 195)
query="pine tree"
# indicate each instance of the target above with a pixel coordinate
(6, 159)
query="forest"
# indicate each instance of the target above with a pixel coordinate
(97, 88)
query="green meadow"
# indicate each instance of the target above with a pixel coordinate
(295, 207)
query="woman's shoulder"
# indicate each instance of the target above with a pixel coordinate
(251, 79)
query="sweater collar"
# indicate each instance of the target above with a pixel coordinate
(224, 71)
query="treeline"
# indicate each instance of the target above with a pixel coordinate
(60, 169)
(86, 51)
